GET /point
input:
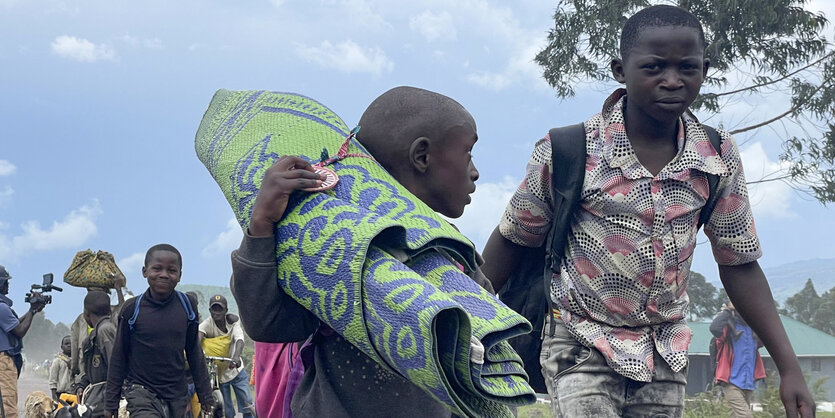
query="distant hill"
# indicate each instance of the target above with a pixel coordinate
(787, 279)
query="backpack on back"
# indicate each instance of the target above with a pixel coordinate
(527, 290)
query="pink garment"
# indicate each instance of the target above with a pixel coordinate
(271, 369)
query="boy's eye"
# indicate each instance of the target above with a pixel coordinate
(651, 67)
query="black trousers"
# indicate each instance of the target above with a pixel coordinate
(143, 403)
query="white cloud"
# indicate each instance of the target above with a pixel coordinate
(493, 81)
(72, 232)
(772, 198)
(131, 266)
(521, 68)
(80, 49)
(347, 57)
(483, 214)
(150, 43)
(434, 26)
(5, 195)
(225, 241)
(277, 3)
(6, 168)
(361, 13)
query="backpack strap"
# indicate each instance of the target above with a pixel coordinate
(568, 171)
(712, 179)
(132, 320)
(190, 314)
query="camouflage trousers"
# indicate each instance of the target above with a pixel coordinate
(582, 384)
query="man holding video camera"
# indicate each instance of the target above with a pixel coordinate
(12, 330)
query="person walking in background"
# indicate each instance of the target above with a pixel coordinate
(738, 362)
(60, 378)
(97, 348)
(222, 336)
(79, 330)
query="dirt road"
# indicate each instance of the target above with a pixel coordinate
(29, 381)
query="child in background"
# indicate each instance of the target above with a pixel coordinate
(97, 348)
(60, 378)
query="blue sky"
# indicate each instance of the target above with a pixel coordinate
(101, 100)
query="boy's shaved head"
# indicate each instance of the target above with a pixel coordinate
(162, 247)
(399, 116)
(97, 303)
(656, 16)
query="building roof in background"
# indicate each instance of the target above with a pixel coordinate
(805, 340)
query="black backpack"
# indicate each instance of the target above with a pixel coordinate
(528, 288)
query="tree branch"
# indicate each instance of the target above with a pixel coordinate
(782, 115)
(787, 176)
(728, 93)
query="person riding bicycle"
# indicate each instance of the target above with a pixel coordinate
(224, 334)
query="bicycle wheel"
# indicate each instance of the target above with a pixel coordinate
(218, 397)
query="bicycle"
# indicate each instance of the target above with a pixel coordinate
(214, 379)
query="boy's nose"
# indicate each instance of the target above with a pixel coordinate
(473, 172)
(672, 80)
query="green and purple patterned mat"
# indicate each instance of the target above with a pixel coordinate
(414, 313)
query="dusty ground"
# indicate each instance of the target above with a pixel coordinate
(29, 381)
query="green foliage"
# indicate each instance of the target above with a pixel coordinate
(774, 46)
(769, 398)
(707, 404)
(769, 395)
(817, 311)
(705, 300)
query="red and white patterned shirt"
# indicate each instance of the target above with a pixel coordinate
(622, 285)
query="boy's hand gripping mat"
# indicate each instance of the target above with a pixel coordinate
(417, 315)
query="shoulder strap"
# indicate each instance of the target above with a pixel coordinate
(568, 171)
(190, 314)
(712, 179)
(132, 320)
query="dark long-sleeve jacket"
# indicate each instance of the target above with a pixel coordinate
(97, 349)
(152, 354)
(342, 381)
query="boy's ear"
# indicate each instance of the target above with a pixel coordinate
(706, 66)
(419, 154)
(617, 70)
(143, 272)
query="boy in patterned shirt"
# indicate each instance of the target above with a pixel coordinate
(620, 341)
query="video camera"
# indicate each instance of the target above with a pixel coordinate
(47, 286)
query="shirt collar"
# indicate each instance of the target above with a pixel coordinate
(694, 148)
(5, 299)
